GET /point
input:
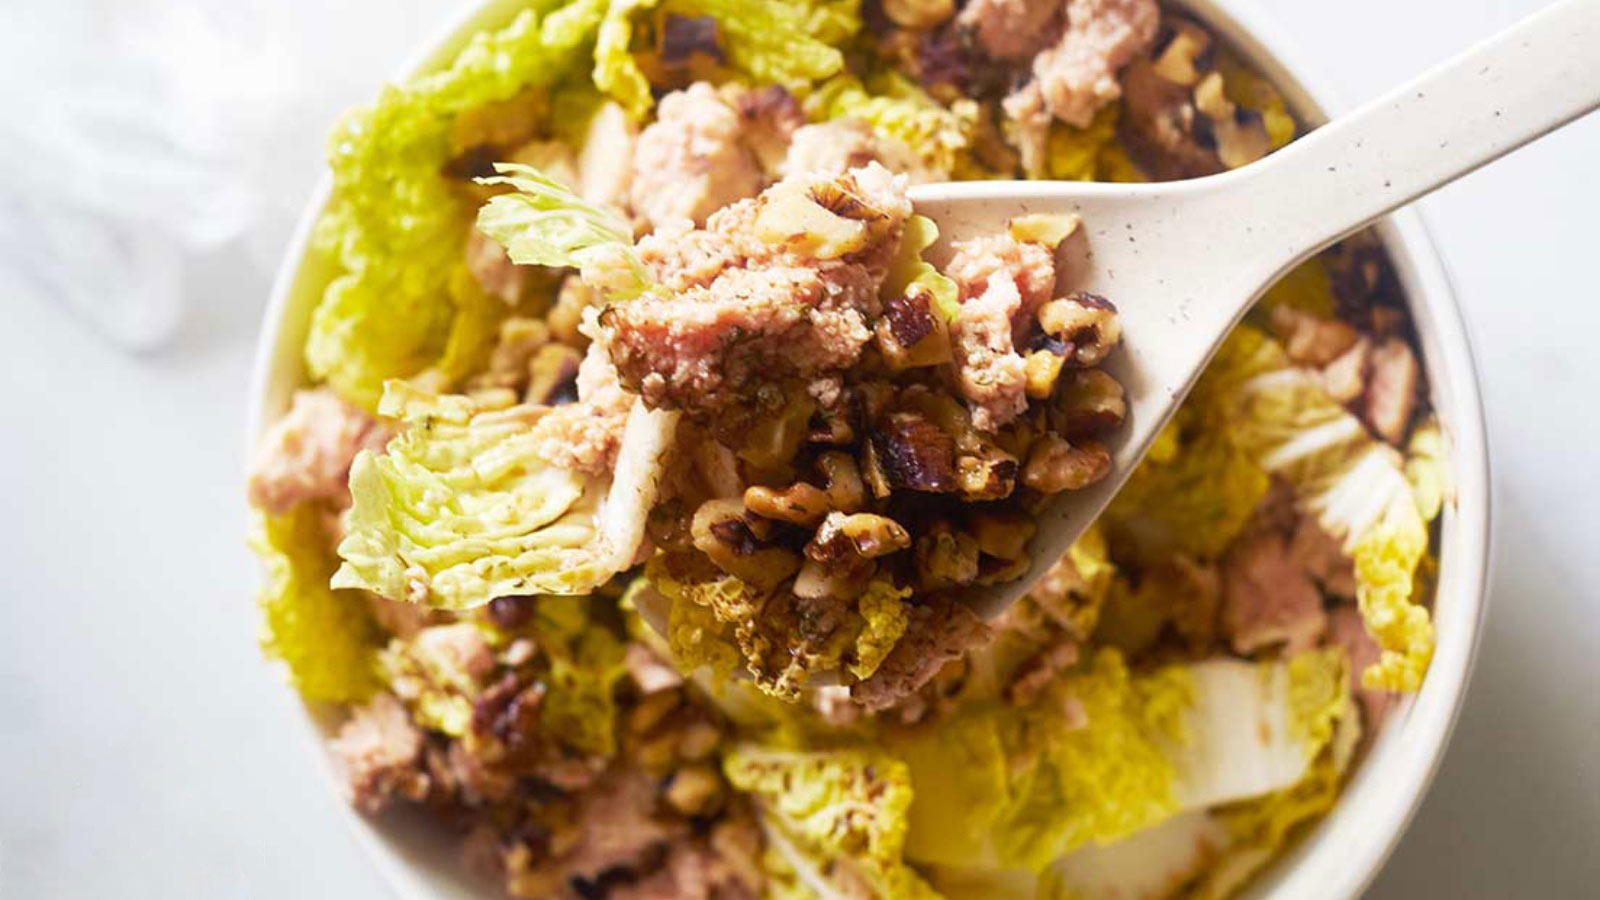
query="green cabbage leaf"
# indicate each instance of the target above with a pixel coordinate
(395, 225)
(836, 819)
(325, 637)
(461, 509)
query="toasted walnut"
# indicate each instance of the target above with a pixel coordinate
(1042, 368)
(1088, 322)
(795, 216)
(989, 474)
(698, 740)
(842, 481)
(1044, 228)
(1000, 571)
(834, 579)
(911, 333)
(918, 13)
(1003, 535)
(1184, 56)
(567, 314)
(1241, 133)
(693, 790)
(872, 472)
(866, 534)
(797, 504)
(946, 557)
(722, 532)
(1054, 465)
(915, 453)
(553, 375)
(1090, 402)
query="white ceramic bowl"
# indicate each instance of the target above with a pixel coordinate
(1342, 853)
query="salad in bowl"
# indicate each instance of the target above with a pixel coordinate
(621, 523)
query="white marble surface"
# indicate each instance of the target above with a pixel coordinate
(145, 752)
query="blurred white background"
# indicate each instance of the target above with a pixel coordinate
(153, 156)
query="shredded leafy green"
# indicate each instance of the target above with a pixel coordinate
(586, 662)
(394, 223)
(1001, 787)
(326, 637)
(545, 224)
(462, 509)
(898, 108)
(908, 268)
(837, 818)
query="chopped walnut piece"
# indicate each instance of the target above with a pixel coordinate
(1055, 465)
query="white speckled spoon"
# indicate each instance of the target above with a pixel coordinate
(1183, 261)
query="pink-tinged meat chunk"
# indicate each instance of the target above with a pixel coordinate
(1003, 282)
(378, 753)
(1392, 389)
(650, 673)
(691, 162)
(713, 348)
(1345, 629)
(306, 455)
(1268, 599)
(835, 147)
(1318, 552)
(1311, 340)
(680, 256)
(494, 270)
(1077, 74)
(618, 826)
(584, 436)
(791, 296)
(1345, 379)
(936, 635)
(1012, 29)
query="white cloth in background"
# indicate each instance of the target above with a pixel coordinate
(140, 135)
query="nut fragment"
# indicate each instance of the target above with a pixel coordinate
(911, 333)
(918, 13)
(1042, 368)
(867, 534)
(798, 504)
(842, 481)
(694, 789)
(915, 453)
(1003, 535)
(989, 474)
(790, 215)
(1086, 321)
(1090, 402)
(721, 531)
(553, 375)
(834, 579)
(1054, 465)
(946, 557)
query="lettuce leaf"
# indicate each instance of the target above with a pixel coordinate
(586, 661)
(428, 672)
(908, 268)
(1354, 484)
(395, 225)
(461, 509)
(898, 108)
(787, 42)
(837, 818)
(326, 638)
(544, 224)
(1001, 787)
(1196, 502)
(1088, 154)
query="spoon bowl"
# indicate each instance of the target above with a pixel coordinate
(1183, 261)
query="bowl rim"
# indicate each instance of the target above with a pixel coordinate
(1342, 854)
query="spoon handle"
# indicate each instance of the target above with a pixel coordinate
(1521, 84)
